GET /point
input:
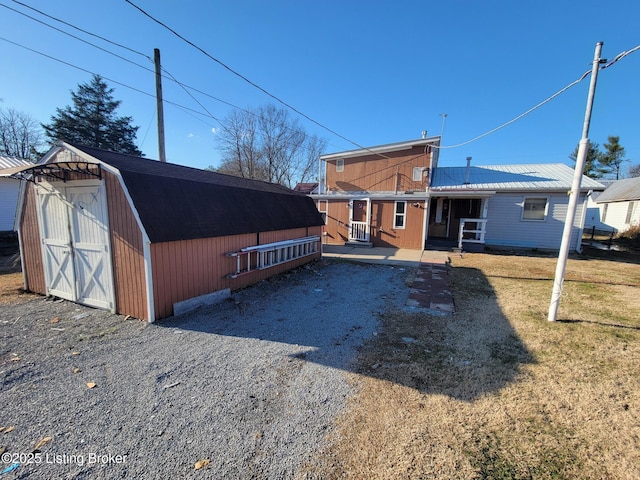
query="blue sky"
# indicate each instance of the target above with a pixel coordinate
(376, 72)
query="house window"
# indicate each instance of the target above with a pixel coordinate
(417, 174)
(322, 208)
(534, 208)
(629, 212)
(400, 215)
(340, 165)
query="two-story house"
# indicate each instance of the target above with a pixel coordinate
(395, 195)
(379, 195)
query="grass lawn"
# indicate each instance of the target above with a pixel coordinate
(496, 391)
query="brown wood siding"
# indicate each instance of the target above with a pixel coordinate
(190, 268)
(383, 234)
(373, 173)
(382, 220)
(127, 253)
(337, 227)
(31, 243)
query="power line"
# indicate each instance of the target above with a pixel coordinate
(253, 84)
(77, 38)
(172, 78)
(94, 73)
(619, 57)
(80, 29)
(167, 75)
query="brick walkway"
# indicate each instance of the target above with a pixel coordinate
(429, 291)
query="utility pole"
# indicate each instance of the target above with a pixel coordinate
(156, 60)
(583, 148)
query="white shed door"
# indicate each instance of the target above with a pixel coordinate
(56, 245)
(76, 245)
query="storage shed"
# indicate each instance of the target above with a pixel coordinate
(149, 239)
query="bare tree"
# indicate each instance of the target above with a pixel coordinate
(20, 135)
(238, 145)
(267, 144)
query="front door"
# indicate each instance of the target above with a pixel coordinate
(359, 220)
(75, 238)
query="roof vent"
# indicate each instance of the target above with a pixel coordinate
(424, 134)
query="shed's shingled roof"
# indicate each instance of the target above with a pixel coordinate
(182, 203)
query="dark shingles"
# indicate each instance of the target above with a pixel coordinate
(181, 203)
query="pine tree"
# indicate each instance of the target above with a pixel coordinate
(613, 156)
(92, 120)
(592, 167)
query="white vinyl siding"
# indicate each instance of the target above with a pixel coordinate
(8, 201)
(506, 228)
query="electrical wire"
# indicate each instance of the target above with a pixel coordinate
(167, 75)
(80, 29)
(94, 73)
(186, 87)
(253, 84)
(618, 57)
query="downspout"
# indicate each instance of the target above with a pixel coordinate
(583, 218)
(397, 179)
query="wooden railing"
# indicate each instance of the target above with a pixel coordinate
(472, 230)
(268, 255)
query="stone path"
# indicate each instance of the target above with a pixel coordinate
(429, 291)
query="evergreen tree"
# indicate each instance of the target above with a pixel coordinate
(92, 120)
(613, 156)
(592, 167)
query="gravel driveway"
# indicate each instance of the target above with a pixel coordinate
(245, 389)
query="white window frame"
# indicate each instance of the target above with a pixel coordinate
(323, 208)
(340, 165)
(397, 215)
(627, 219)
(524, 209)
(417, 174)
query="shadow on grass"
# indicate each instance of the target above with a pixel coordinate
(312, 315)
(602, 324)
(464, 356)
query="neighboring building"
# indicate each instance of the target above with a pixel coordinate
(9, 193)
(618, 207)
(522, 206)
(306, 188)
(378, 196)
(150, 239)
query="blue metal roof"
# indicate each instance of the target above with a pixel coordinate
(528, 177)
